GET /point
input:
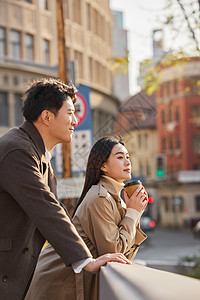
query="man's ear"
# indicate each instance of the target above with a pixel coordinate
(45, 116)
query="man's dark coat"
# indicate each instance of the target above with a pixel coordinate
(30, 212)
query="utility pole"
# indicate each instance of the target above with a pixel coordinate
(62, 67)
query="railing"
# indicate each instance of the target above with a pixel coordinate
(138, 282)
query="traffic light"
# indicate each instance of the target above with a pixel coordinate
(160, 166)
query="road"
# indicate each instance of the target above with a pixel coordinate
(165, 247)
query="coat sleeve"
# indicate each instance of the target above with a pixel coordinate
(110, 236)
(22, 180)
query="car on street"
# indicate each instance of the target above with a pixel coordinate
(147, 224)
(195, 226)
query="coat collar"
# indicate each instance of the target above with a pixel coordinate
(35, 136)
(112, 186)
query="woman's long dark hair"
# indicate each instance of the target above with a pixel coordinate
(99, 154)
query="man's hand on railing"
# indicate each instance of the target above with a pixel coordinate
(95, 264)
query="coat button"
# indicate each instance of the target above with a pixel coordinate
(5, 278)
(25, 250)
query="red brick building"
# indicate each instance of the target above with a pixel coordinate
(178, 128)
(178, 117)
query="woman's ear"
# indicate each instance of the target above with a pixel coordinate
(103, 168)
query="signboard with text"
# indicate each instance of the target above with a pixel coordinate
(83, 134)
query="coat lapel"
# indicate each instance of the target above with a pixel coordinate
(45, 167)
(114, 191)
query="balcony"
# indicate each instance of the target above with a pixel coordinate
(138, 282)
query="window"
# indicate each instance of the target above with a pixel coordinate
(170, 143)
(177, 114)
(196, 143)
(177, 201)
(139, 141)
(175, 87)
(166, 203)
(29, 47)
(140, 168)
(197, 203)
(161, 91)
(79, 62)
(148, 169)
(163, 117)
(179, 167)
(146, 140)
(4, 109)
(18, 118)
(90, 68)
(166, 90)
(103, 123)
(164, 144)
(46, 52)
(171, 172)
(103, 28)
(2, 42)
(170, 115)
(66, 9)
(196, 166)
(178, 142)
(44, 4)
(15, 43)
(77, 11)
(88, 17)
(195, 111)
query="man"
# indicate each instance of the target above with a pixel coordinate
(29, 210)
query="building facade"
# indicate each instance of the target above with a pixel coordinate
(29, 50)
(136, 122)
(120, 45)
(178, 124)
(167, 126)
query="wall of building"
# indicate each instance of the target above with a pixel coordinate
(29, 49)
(142, 145)
(120, 45)
(178, 123)
(179, 204)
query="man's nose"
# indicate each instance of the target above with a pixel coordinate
(74, 121)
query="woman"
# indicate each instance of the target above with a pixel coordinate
(104, 222)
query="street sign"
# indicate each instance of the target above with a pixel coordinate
(83, 134)
(80, 108)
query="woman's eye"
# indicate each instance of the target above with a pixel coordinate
(120, 157)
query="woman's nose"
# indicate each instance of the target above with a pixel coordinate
(127, 161)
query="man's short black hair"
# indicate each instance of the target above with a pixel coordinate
(46, 93)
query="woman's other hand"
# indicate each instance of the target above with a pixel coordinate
(95, 264)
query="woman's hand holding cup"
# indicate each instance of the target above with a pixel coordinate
(138, 200)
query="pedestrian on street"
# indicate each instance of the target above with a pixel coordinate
(103, 220)
(30, 213)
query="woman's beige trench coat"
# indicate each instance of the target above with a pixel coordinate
(102, 224)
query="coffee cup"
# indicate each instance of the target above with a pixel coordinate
(131, 186)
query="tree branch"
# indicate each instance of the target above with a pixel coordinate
(188, 23)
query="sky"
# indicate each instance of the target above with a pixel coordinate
(141, 17)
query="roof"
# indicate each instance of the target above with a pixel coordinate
(137, 112)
